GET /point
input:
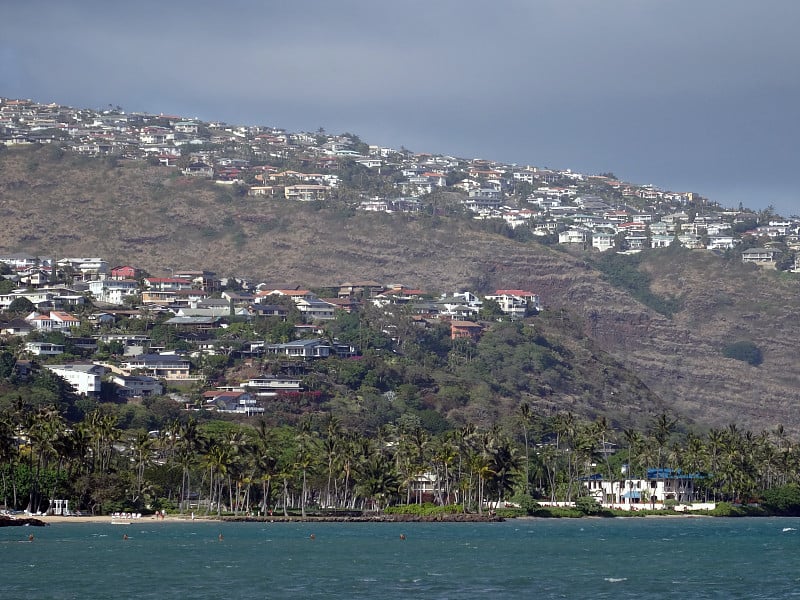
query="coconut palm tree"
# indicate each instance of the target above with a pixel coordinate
(141, 454)
(377, 481)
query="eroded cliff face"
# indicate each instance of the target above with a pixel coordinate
(148, 217)
(680, 358)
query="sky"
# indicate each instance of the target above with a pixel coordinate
(687, 95)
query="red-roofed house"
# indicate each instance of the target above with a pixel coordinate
(53, 321)
(125, 272)
(464, 329)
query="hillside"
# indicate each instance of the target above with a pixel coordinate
(57, 204)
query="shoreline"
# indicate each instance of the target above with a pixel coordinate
(44, 520)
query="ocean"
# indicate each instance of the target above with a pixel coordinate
(638, 558)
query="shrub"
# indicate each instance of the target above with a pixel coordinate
(426, 509)
(745, 351)
(588, 505)
(783, 500)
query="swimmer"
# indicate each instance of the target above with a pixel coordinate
(30, 538)
(402, 536)
(220, 537)
(125, 536)
(312, 537)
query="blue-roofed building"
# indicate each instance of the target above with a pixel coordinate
(658, 486)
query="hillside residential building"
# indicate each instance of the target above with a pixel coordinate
(232, 401)
(44, 348)
(137, 386)
(315, 348)
(113, 291)
(53, 321)
(306, 192)
(270, 385)
(761, 256)
(515, 303)
(603, 241)
(162, 366)
(85, 379)
(315, 309)
(84, 269)
(465, 329)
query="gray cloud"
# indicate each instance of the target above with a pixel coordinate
(686, 95)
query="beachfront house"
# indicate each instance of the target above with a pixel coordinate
(657, 487)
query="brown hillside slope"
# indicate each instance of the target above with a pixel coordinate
(149, 217)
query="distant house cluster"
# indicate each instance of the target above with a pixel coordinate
(81, 300)
(597, 212)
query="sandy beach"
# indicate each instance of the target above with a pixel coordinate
(106, 519)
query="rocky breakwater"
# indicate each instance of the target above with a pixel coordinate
(388, 518)
(11, 521)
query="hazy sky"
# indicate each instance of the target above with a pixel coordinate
(689, 95)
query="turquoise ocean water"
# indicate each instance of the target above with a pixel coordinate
(532, 558)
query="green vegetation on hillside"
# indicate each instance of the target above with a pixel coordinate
(745, 351)
(623, 271)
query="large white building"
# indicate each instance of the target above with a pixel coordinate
(85, 379)
(113, 291)
(658, 486)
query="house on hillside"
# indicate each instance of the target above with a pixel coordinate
(760, 256)
(44, 348)
(516, 303)
(465, 330)
(198, 169)
(314, 348)
(270, 385)
(113, 291)
(232, 401)
(84, 378)
(137, 386)
(53, 321)
(163, 366)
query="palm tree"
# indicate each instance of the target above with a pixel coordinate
(525, 421)
(504, 465)
(142, 454)
(635, 442)
(331, 445)
(217, 459)
(377, 481)
(9, 453)
(661, 430)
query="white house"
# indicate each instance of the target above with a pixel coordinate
(602, 241)
(515, 303)
(270, 385)
(44, 348)
(573, 236)
(760, 256)
(85, 379)
(658, 486)
(165, 366)
(113, 291)
(135, 386)
(53, 321)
